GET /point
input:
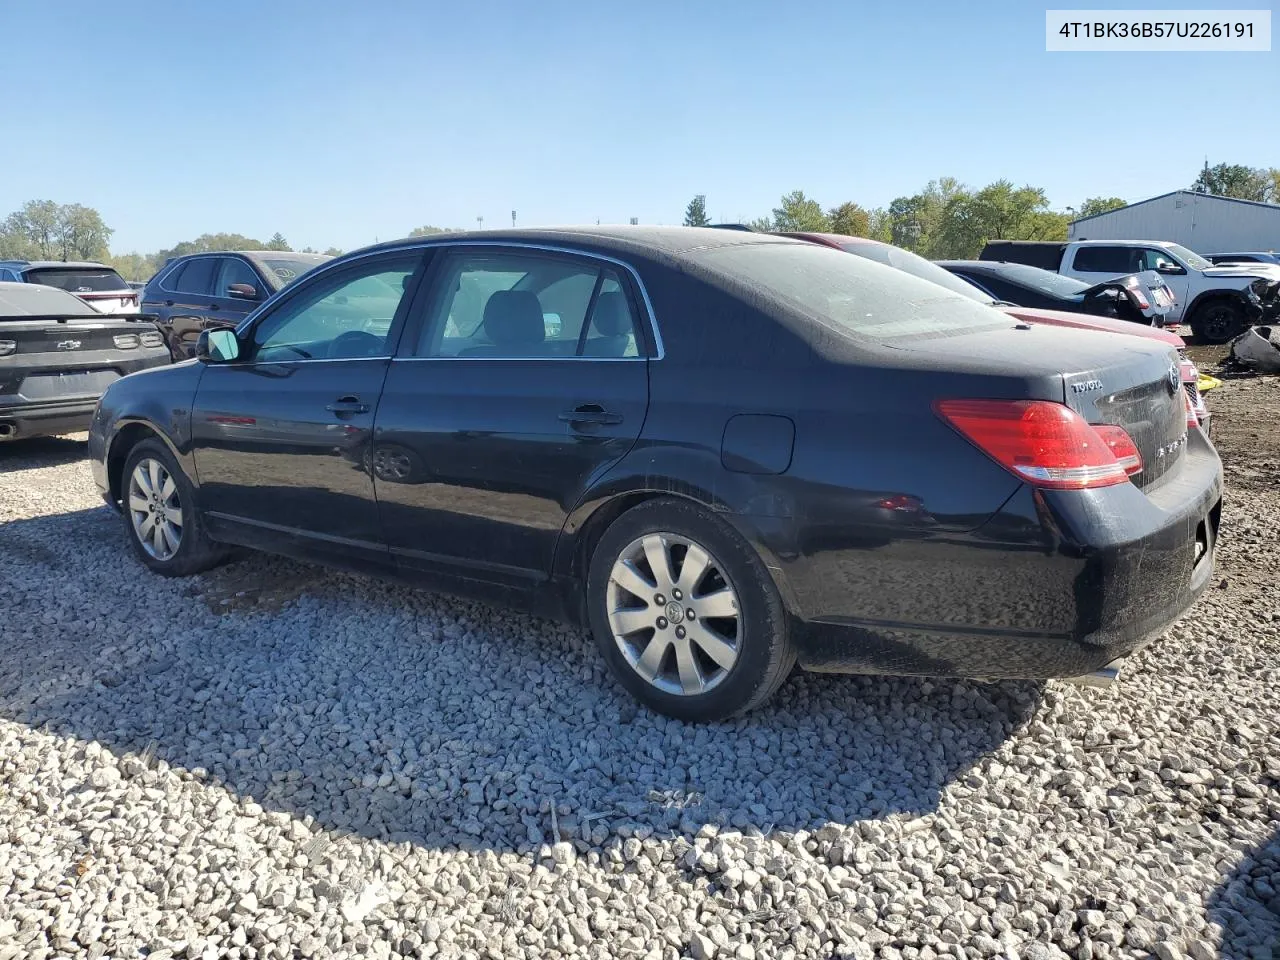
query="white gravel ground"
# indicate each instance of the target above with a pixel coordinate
(278, 761)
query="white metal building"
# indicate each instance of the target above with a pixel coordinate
(1201, 222)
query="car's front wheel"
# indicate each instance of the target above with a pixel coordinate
(1218, 321)
(160, 517)
(686, 614)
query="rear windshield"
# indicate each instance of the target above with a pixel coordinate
(78, 279)
(1046, 281)
(851, 294)
(282, 271)
(28, 299)
(917, 266)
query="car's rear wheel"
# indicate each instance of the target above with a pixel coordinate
(1218, 321)
(160, 517)
(686, 614)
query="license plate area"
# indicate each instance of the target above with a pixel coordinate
(67, 384)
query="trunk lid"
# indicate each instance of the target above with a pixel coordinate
(1130, 382)
(45, 359)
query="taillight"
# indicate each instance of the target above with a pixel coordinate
(1121, 446)
(7, 347)
(152, 340)
(126, 341)
(1046, 444)
(1193, 420)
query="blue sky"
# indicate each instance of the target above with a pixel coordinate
(339, 122)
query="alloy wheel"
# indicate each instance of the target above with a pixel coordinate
(674, 614)
(154, 508)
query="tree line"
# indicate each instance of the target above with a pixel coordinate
(45, 230)
(949, 220)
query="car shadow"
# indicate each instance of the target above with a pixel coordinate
(396, 714)
(1246, 906)
(41, 452)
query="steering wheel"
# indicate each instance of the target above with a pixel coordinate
(355, 343)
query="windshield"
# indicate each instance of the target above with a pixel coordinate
(917, 266)
(78, 279)
(1190, 258)
(282, 271)
(1045, 281)
(851, 294)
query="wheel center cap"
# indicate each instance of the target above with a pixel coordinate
(675, 612)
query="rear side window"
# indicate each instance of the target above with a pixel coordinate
(850, 294)
(194, 277)
(78, 280)
(527, 306)
(1113, 260)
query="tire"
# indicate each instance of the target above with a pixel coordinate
(1218, 321)
(175, 501)
(728, 658)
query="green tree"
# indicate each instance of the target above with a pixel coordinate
(278, 242)
(1096, 205)
(428, 231)
(850, 219)
(695, 215)
(1235, 180)
(762, 224)
(37, 224)
(999, 211)
(333, 252)
(879, 226)
(134, 266)
(210, 241)
(798, 212)
(81, 234)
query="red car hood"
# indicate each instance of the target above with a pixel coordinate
(1085, 321)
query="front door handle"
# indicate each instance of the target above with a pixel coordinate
(346, 406)
(590, 413)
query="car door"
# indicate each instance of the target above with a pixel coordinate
(523, 380)
(237, 291)
(186, 303)
(280, 435)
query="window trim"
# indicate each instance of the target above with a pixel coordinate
(654, 348)
(1101, 246)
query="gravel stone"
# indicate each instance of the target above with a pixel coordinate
(276, 760)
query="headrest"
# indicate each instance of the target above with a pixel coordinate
(513, 318)
(612, 318)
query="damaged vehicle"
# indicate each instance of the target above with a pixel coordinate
(1257, 350)
(1138, 298)
(57, 356)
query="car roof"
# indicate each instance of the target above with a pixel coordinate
(833, 239)
(659, 242)
(68, 264)
(255, 254)
(37, 299)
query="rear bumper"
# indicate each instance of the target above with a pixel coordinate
(1056, 584)
(45, 419)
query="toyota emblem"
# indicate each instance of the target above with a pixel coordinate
(1173, 379)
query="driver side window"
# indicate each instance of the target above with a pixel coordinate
(343, 316)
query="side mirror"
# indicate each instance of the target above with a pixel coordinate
(217, 346)
(242, 291)
(1169, 268)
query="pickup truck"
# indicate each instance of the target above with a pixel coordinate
(1218, 302)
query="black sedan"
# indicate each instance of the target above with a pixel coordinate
(1130, 297)
(723, 452)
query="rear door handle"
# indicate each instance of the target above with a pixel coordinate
(345, 406)
(590, 413)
